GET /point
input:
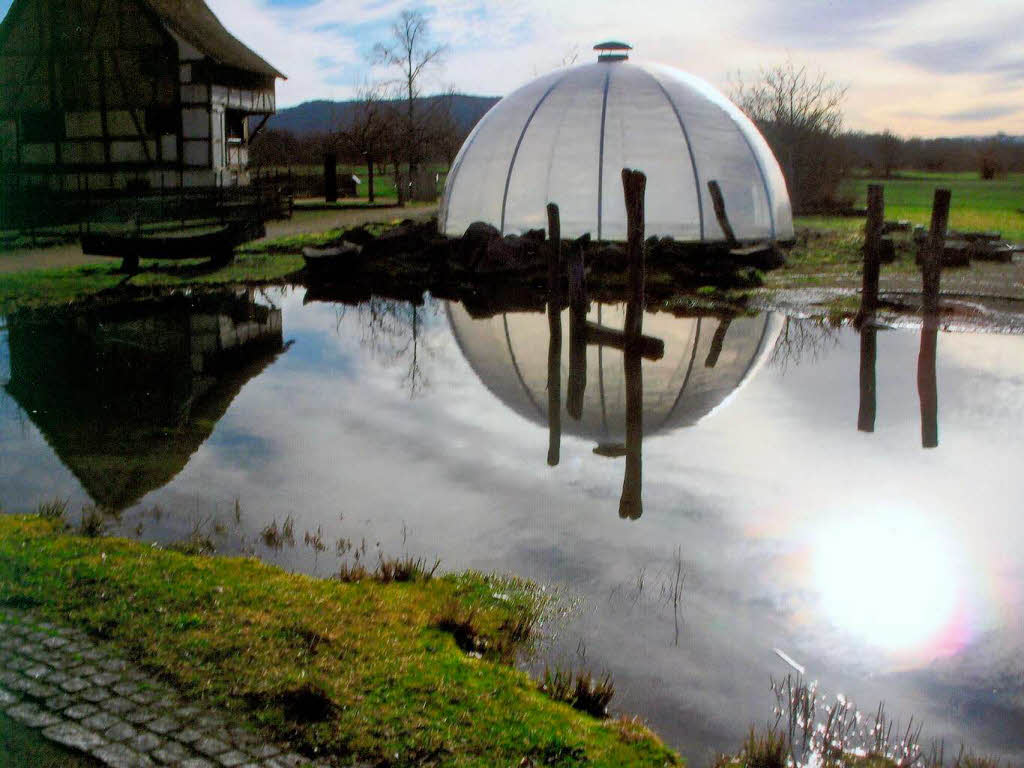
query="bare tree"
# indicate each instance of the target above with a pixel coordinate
(412, 51)
(800, 114)
(367, 136)
(888, 151)
(441, 129)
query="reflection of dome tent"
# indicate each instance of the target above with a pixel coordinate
(564, 138)
(509, 354)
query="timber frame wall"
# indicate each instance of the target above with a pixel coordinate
(101, 94)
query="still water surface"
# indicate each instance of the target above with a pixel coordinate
(886, 570)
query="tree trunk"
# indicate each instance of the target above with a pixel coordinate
(369, 176)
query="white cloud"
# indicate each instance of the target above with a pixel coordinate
(497, 46)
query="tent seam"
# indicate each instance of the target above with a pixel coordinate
(689, 149)
(515, 153)
(600, 152)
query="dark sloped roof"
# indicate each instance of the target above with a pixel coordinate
(196, 23)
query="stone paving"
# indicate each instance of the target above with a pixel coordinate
(82, 696)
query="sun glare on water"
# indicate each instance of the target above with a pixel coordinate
(893, 580)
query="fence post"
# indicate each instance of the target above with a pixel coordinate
(931, 264)
(872, 253)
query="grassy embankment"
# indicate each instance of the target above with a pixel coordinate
(265, 261)
(360, 668)
(827, 253)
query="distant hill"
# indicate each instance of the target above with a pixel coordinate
(314, 117)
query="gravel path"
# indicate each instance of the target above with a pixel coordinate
(82, 696)
(303, 222)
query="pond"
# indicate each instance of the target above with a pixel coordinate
(755, 530)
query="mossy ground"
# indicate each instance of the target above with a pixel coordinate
(336, 668)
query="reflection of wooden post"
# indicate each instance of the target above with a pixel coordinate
(717, 342)
(723, 218)
(555, 338)
(868, 354)
(927, 387)
(577, 335)
(931, 265)
(872, 252)
(634, 184)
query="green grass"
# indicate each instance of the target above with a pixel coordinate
(383, 182)
(63, 285)
(976, 204)
(339, 668)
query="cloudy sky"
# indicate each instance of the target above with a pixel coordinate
(918, 67)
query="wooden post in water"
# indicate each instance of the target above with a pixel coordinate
(868, 355)
(631, 507)
(931, 278)
(931, 265)
(723, 218)
(555, 337)
(577, 333)
(872, 253)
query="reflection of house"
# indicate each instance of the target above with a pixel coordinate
(706, 359)
(126, 394)
(151, 92)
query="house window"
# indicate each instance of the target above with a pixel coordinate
(234, 126)
(161, 121)
(42, 127)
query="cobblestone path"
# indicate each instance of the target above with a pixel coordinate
(82, 696)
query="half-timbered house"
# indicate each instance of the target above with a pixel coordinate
(116, 93)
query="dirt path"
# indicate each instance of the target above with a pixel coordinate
(303, 222)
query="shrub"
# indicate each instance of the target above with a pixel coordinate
(580, 689)
(54, 509)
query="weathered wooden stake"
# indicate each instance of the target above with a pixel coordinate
(868, 355)
(634, 184)
(872, 253)
(931, 265)
(555, 338)
(723, 218)
(577, 334)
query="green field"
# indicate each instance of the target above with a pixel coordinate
(383, 182)
(976, 204)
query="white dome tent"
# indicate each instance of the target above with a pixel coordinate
(564, 138)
